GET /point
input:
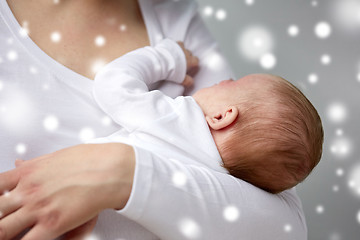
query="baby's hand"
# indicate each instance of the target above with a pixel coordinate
(192, 63)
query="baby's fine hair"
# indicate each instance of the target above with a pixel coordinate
(277, 139)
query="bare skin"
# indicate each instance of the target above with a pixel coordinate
(79, 24)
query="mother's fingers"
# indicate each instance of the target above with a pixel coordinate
(15, 223)
(39, 232)
(8, 204)
(8, 181)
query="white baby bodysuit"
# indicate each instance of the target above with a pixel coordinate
(170, 128)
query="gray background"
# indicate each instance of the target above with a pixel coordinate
(331, 195)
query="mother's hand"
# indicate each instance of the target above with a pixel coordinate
(58, 192)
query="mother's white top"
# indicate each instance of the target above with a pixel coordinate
(45, 106)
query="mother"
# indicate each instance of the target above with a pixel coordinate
(46, 105)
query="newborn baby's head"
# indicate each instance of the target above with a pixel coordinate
(267, 132)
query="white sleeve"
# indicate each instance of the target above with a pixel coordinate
(213, 66)
(121, 87)
(176, 201)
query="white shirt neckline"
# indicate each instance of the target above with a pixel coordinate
(69, 76)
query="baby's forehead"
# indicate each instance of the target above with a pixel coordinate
(261, 78)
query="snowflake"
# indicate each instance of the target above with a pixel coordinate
(320, 209)
(337, 112)
(86, 134)
(189, 228)
(354, 180)
(268, 61)
(55, 37)
(208, 11)
(100, 41)
(341, 147)
(339, 172)
(293, 30)
(220, 14)
(231, 213)
(179, 179)
(122, 27)
(313, 78)
(347, 13)
(249, 2)
(323, 30)
(325, 59)
(255, 41)
(12, 55)
(20, 148)
(51, 123)
(287, 228)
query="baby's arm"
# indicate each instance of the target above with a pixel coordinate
(121, 87)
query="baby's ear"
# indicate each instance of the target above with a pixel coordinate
(223, 119)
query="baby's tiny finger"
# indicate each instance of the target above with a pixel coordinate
(181, 44)
(188, 81)
(193, 63)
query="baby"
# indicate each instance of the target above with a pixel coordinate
(259, 128)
